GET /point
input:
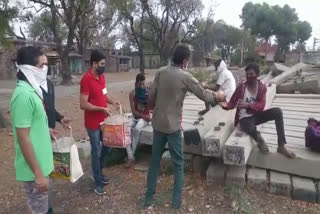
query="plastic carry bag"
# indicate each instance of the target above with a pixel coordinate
(116, 131)
(66, 159)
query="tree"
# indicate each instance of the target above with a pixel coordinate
(171, 22)
(96, 25)
(281, 22)
(133, 14)
(259, 19)
(6, 15)
(39, 28)
(304, 30)
(68, 11)
(285, 29)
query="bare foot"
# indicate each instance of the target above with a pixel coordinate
(130, 163)
(283, 150)
(263, 147)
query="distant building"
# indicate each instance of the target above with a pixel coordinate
(267, 52)
(151, 60)
(8, 55)
(115, 60)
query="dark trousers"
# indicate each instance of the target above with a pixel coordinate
(175, 148)
(249, 124)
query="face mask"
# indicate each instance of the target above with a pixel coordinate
(37, 77)
(141, 94)
(100, 70)
(45, 69)
(251, 79)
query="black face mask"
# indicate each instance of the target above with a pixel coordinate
(100, 70)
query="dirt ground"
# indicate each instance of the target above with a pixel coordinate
(128, 185)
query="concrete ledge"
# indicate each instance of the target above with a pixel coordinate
(216, 173)
(220, 131)
(280, 183)
(257, 179)
(303, 189)
(236, 175)
(200, 165)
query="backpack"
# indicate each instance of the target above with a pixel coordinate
(312, 134)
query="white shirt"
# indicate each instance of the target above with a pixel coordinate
(226, 80)
(247, 98)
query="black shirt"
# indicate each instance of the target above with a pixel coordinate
(48, 99)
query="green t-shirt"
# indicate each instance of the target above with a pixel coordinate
(27, 111)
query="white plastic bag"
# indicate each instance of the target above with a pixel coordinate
(66, 159)
(116, 131)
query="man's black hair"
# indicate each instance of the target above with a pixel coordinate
(28, 56)
(140, 77)
(96, 56)
(217, 63)
(253, 66)
(181, 53)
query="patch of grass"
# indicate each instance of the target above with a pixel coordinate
(200, 74)
(115, 156)
(162, 198)
(236, 196)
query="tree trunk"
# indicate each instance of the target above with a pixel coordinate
(141, 55)
(65, 68)
(3, 121)
(164, 60)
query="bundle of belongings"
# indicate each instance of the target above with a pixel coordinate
(312, 134)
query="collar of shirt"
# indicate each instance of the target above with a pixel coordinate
(26, 85)
(91, 75)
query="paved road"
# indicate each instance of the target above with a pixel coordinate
(65, 91)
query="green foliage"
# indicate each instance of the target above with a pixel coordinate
(259, 19)
(39, 28)
(239, 201)
(283, 22)
(304, 30)
(201, 74)
(7, 14)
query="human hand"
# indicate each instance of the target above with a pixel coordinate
(53, 134)
(117, 105)
(242, 104)
(42, 184)
(147, 118)
(107, 111)
(205, 85)
(220, 96)
(65, 122)
(224, 105)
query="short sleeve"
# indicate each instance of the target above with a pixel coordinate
(22, 110)
(221, 79)
(84, 86)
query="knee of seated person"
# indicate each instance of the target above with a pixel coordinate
(141, 123)
(277, 111)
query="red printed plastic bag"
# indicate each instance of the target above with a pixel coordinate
(116, 131)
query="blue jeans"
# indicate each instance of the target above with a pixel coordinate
(98, 154)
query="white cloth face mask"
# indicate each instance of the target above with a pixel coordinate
(37, 77)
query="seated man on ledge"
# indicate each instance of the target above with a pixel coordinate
(225, 83)
(250, 99)
(141, 111)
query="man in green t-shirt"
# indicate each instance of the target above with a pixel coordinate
(34, 158)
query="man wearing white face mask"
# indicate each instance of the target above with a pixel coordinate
(49, 101)
(34, 158)
(225, 82)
